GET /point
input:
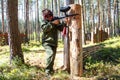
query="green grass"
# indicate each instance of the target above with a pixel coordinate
(29, 70)
(104, 64)
(23, 72)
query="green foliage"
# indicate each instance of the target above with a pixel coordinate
(105, 62)
(27, 72)
(33, 45)
(2, 41)
(61, 75)
(60, 44)
(23, 72)
(17, 61)
(24, 49)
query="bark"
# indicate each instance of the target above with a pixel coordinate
(2, 7)
(84, 23)
(46, 3)
(76, 58)
(58, 7)
(26, 20)
(118, 16)
(55, 7)
(37, 23)
(43, 4)
(99, 21)
(91, 17)
(67, 43)
(109, 17)
(67, 2)
(14, 34)
(52, 6)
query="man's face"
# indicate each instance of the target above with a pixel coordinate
(49, 17)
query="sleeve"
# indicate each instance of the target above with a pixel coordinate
(46, 26)
(61, 26)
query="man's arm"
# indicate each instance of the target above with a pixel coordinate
(47, 26)
(61, 26)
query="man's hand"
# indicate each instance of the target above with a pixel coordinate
(67, 20)
(56, 22)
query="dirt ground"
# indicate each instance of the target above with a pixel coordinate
(37, 58)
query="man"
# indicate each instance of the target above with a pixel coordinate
(50, 29)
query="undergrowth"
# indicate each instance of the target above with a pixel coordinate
(104, 64)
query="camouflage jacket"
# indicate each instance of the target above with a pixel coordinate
(50, 32)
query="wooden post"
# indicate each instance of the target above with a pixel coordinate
(76, 57)
(67, 52)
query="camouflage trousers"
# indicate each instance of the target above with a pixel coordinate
(50, 57)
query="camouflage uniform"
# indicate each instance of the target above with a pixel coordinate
(50, 41)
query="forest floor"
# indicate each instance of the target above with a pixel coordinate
(103, 64)
(37, 58)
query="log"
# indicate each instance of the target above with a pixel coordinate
(76, 56)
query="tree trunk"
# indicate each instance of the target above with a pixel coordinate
(84, 22)
(76, 58)
(46, 3)
(67, 44)
(55, 7)
(26, 20)
(58, 7)
(109, 16)
(69, 2)
(91, 18)
(2, 7)
(99, 21)
(114, 8)
(118, 16)
(43, 4)
(52, 6)
(37, 22)
(14, 34)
